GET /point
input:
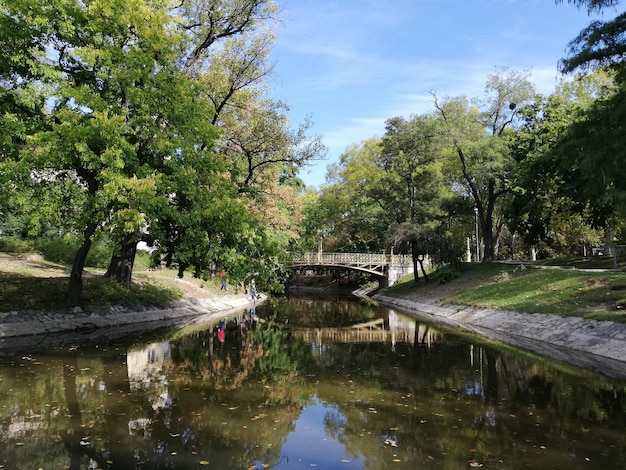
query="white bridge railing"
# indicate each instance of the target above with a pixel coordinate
(351, 259)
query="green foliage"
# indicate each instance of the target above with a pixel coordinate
(101, 291)
(446, 274)
(599, 45)
(480, 156)
(350, 217)
(142, 261)
(121, 117)
(12, 244)
(63, 251)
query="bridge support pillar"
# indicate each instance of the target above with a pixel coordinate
(396, 271)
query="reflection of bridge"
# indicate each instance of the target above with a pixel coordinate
(399, 330)
(388, 268)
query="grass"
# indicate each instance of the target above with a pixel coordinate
(28, 282)
(566, 292)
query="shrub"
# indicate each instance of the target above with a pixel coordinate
(447, 273)
(15, 245)
(142, 261)
(63, 251)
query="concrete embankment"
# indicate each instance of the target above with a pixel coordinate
(598, 345)
(22, 330)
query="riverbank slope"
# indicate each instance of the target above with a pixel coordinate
(599, 345)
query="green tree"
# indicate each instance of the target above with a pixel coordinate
(130, 130)
(412, 183)
(354, 218)
(479, 136)
(595, 144)
(548, 205)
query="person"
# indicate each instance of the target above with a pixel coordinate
(223, 278)
(221, 332)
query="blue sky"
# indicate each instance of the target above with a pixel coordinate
(353, 64)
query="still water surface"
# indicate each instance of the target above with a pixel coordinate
(306, 389)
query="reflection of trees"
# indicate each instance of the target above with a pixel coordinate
(75, 440)
(513, 406)
(310, 312)
(443, 403)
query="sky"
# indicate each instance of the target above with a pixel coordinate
(352, 64)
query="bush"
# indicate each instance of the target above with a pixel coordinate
(447, 273)
(63, 251)
(15, 245)
(142, 261)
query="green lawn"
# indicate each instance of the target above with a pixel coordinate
(567, 292)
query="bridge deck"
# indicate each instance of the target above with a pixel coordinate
(373, 262)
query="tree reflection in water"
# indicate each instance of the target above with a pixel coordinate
(374, 389)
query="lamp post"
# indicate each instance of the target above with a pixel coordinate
(476, 219)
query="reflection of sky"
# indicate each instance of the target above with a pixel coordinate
(309, 446)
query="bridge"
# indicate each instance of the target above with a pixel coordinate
(400, 329)
(387, 267)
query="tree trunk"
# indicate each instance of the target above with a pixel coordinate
(416, 273)
(75, 287)
(121, 265)
(420, 258)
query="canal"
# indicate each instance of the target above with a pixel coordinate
(333, 384)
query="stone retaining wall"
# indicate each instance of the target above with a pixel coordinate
(587, 343)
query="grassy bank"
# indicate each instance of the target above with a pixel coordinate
(29, 282)
(566, 292)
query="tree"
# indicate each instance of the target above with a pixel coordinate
(99, 68)
(479, 135)
(549, 205)
(412, 183)
(597, 142)
(221, 75)
(130, 124)
(353, 219)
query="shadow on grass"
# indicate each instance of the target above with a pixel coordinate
(21, 293)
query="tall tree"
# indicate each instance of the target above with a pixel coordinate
(412, 182)
(128, 122)
(479, 137)
(222, 74)
(353, 217)
(550, 206)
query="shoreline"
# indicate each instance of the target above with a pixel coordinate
(19, 330)
(596, 345)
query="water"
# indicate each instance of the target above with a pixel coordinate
(396, 393)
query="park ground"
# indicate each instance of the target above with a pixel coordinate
(587, 288)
